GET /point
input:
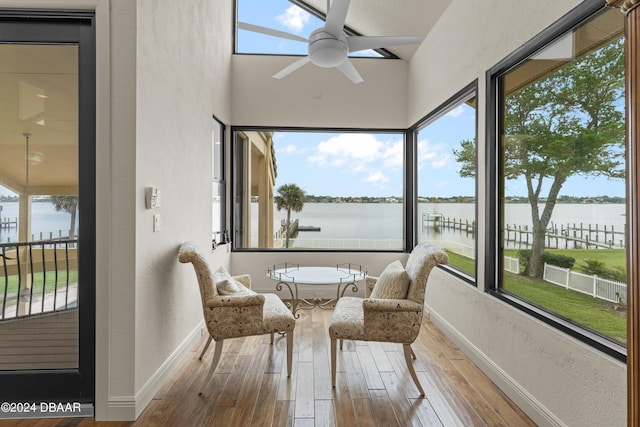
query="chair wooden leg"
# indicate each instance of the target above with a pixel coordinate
(214, 363)
(333, 362)
(271, 337)
(341, 341)
(407, 358)
(206, 346)
(289, 351)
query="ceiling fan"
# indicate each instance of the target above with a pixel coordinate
(329, 46)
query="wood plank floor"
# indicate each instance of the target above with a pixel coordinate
(48, 341)
(251, 388)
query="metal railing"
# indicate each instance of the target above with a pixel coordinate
(38, 277)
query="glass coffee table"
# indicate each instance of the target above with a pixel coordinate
(343, 276)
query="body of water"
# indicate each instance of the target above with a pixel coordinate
(352, 221)
(45, 220)
(383, 221)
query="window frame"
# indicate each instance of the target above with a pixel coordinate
(47, 26)
(494, 122)
(439, 111)
(221, 182)
(407, 190)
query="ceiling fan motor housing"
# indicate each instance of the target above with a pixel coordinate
(327, 50)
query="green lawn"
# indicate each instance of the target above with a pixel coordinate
(584, 310)
(611, 257)
(38, 281)
(462, 263)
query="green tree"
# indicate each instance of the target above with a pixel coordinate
(291, 198)
(67, 204)
(568, 123)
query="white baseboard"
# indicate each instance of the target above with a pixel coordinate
(129, 408)
(540, 414)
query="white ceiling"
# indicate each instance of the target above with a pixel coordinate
(39, 96)
(391, 18)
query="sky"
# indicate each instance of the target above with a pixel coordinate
(348, 164)
(370, 164)
(281, 15)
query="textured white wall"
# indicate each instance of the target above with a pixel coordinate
(314, 96)
(115, 199)
(182, 74)
(555, 378)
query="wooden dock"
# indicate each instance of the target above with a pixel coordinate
(566, 236)
(438, 221)
(7, 223)
(569, 236)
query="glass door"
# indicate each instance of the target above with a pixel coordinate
(47, 208)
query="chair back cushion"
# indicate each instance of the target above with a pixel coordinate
(420, 263)
(227, 285)
(190, 252)
(393, 283)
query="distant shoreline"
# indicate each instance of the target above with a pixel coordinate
(584, 201)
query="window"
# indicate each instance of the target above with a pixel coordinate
(446, 157)
(318, 190)
(560, 194)
(293, 17)
(218, 225)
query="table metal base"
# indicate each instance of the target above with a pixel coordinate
(298, 303)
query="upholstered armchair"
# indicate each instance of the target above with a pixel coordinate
(392, 312)
(240, 312)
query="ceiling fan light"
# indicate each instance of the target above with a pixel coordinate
(325, 50)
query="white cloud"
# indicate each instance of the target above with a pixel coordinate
(394, 155)
(291, 149)
(377, 177)
(456, 112)
(433, 155)
(294, 18)
(355, 150)
(376, 161)
(440, 162)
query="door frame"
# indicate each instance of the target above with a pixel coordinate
(24, 26)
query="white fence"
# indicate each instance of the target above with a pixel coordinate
(328, 243)
(595, 286)
(458, 248)
(512, 265)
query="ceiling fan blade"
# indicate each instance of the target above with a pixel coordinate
(291, 68)
(358, 43)
(350, 71)
(336, 16)
(270, 32)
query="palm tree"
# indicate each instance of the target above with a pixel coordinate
(290, 197)
(67, 204)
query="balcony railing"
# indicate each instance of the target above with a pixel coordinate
(38, 277)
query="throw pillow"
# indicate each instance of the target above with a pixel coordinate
(393, 283)
(227, 285)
